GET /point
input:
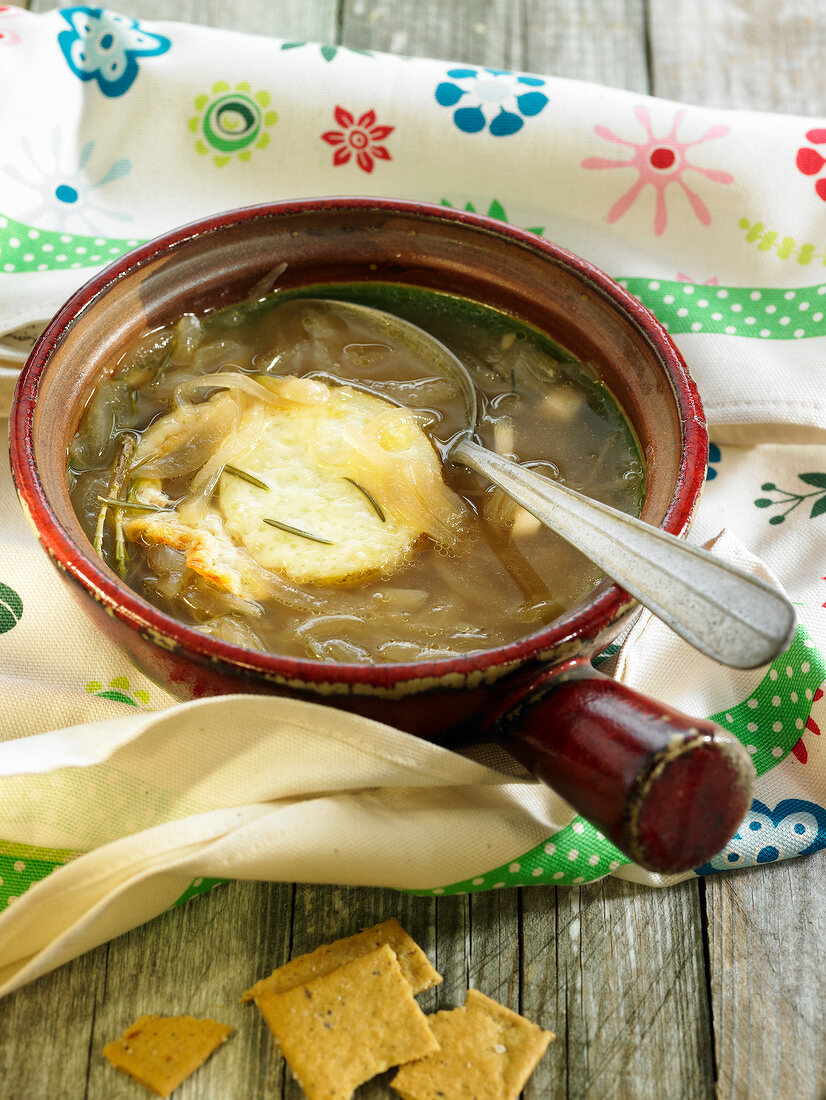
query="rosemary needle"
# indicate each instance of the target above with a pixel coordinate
(297, 531)
(244, 476)
(369, 498)
(138, 505)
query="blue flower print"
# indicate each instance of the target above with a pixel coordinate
(793, 828)
(63, 193)
(103, 46)
(714, 456)
(492, 98)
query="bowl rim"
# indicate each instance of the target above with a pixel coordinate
(586, 621)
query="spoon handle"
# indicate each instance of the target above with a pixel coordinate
(721, 610)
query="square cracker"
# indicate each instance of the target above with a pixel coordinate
(162, 1051)
(413, 961)
(468, 1066)
(524, 1042)
(487, 1052)
(346, 1026)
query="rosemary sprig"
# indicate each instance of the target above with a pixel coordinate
(244, 476)
(121, 469)
(297, 531)
(371, 500)
(97, 542)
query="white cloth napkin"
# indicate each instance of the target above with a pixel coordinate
(114, 801)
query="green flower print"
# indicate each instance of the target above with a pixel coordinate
(793, 500)
(495, 210)
(781, 244)
(232, 122)
(327, 52)
(11, 608)
(119, 691)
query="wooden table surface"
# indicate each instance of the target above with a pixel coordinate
(714, 987)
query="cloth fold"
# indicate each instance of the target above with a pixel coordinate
(116, 801)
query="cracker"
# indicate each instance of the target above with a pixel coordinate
(412, 960)
(469, 1065)
(160, 1052)
(487, 1052)
(524, 1042)
(346, 1026)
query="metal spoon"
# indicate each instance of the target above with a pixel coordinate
(722, 611)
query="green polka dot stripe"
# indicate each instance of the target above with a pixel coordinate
(576, 854)
(18, 873)
(196, 887)
(27, 248)
(772, 719)
(765, 313)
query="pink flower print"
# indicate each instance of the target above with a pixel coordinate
(659, 162)
(358, 137)
(810, 162)
(8, 37)
(683, 278)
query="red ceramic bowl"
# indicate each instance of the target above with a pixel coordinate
(667, 789)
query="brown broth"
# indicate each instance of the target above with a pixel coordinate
(494, 586)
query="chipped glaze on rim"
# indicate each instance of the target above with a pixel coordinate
(585, 623)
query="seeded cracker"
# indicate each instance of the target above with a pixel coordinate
(412, 960)
(524, 1042)
(468, 1067)
(162, 1051)
(482, 1030)
(343, 1028)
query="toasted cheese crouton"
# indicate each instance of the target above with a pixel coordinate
(332, 472)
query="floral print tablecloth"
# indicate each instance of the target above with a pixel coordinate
(115, 130)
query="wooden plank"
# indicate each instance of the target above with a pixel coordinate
(765, 927)
(325, 913)
(601, 40)
(316, 21)
(196, 960)
(593, 39)
(617, 971)
(46, 1031)
(762, 55)
(484, 32)
(767, 952)
(615, 968)
(495, 946)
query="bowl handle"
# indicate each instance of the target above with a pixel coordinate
(668, 790)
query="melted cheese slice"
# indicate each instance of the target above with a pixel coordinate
(302, 456)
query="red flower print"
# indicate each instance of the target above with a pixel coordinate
(799, 749)
(360, 137)
(810, 162)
